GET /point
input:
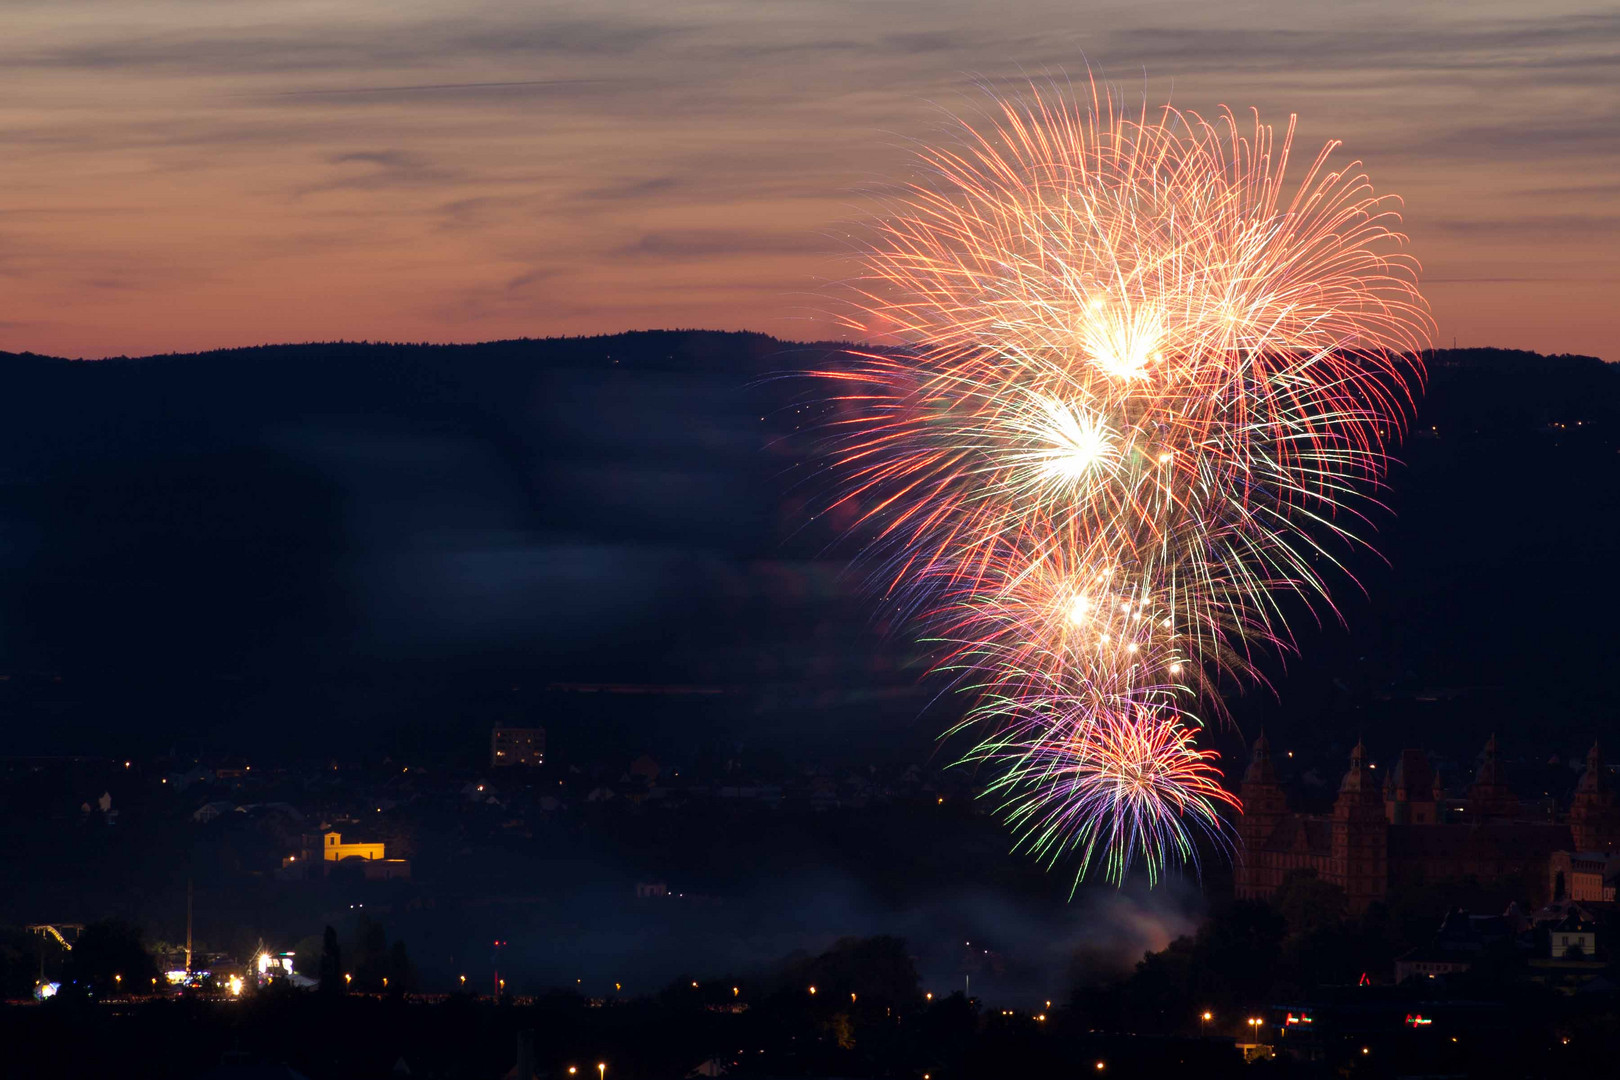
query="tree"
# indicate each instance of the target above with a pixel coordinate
(400, 976)
(1232, 959)
(109, 956)
(1308, 903)
(19, 962)
(331, 963)
(876, 969)
(369, 962)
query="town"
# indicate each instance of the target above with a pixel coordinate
(1410, 918)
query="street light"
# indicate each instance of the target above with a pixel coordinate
(601, 1069)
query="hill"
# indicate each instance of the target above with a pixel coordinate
(355, 548)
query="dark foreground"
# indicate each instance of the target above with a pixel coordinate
(287, 1033)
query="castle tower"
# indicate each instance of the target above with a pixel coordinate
(1264, 805)
(1593, 820)
(1360, 862)
(1489, 796)
(1409, 791)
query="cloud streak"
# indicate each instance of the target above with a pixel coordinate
(429, 171)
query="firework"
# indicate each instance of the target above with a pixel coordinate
(1134, 787)
(1142, 382)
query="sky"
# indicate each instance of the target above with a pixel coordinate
(191, 174)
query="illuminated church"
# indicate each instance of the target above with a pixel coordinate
(1380, 837)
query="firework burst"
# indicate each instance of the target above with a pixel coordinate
(1141, 382)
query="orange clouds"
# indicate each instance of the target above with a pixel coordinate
(180, 175)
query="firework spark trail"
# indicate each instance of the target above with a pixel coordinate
(1143, 386)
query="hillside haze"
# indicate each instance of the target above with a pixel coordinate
(358, 549)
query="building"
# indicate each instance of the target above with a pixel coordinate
(320, 855)
(1593, 817)
(517, 746)
(1584, 875)
(335, 850)
(1392, 835)
(1461, 941)
(1572, 940)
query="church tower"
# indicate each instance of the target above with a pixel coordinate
(1489, 796)
(1360, 862)
(1264, 806)
(1593, 820)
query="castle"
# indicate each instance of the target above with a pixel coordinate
(1380, 837)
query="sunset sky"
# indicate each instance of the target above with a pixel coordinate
(182, 174)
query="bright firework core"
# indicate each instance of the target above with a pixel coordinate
(1073, 440)
(1140, 379)
(1121, 341)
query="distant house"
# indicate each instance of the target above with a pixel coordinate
(1572, 940)
(1427, 961)
(1461, 940)
(510, 746)
(209, 811)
